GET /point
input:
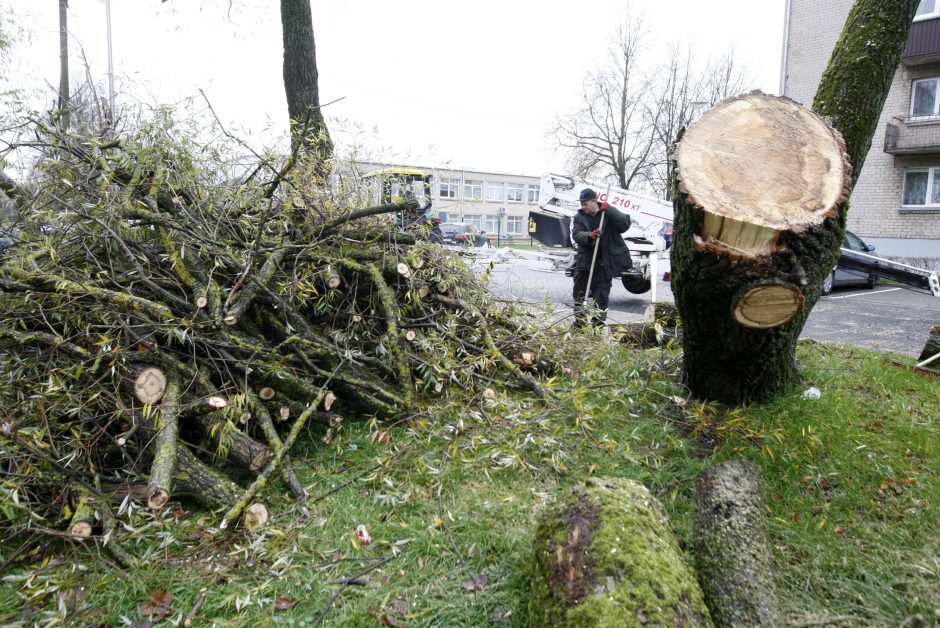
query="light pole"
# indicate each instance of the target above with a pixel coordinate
(107, 10)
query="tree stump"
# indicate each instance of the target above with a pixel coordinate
(760, 184)
(731, 549)
(605, 555)
(932, 347)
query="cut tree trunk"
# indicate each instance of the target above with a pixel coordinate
(932, 347)
(745, 259)
(731, 549)
(761, 364)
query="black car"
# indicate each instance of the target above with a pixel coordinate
(847, 272)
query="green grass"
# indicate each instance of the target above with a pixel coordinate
(851, 485)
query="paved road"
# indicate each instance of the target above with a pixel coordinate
(885, 319)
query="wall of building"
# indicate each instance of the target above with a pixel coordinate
(876, 211)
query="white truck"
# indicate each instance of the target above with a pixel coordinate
(650, 232)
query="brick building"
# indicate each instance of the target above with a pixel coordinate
(896, 202)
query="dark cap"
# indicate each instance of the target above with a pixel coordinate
(587, 194)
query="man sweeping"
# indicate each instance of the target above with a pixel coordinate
(602, 255)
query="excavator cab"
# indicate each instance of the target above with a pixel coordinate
(400, 185)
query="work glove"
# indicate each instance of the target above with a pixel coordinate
(595, 234)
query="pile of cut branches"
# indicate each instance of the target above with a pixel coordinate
(165, 329)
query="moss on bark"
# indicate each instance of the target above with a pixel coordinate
(605, 555)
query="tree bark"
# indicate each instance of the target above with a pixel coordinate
(731, 549)
(746, 236)
(308, 128)
(605, 555)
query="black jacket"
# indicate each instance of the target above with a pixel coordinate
(613, 258)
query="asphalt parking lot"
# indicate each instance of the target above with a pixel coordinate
(887, 318)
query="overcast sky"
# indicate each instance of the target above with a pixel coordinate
(430, 82)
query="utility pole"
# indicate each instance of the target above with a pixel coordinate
(107, 10)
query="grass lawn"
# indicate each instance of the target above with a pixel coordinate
(851, 480)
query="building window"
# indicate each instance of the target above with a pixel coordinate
(927, 10)
(922, 188)
(473, 190)
(474, 220)
(514, 192)
(449, 188)
(514, 225)
(492, 224)
(494, 192)
(533, 194)
(924, 101)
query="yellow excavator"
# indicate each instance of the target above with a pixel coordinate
(399, 185)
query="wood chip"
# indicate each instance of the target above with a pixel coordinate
(267, 393)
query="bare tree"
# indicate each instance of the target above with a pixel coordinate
(682, 90)
(609, 133)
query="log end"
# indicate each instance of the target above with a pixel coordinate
(255, 517)
(768, 305)
(81, 530)
(157, 499)
(150, 385)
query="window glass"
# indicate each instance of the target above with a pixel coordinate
(473, 190)
(474, 220)
(853, 242)
(533, 194)
(915, 187)
(494, 191)
(514, 225)
(934, 188)
(926, 7)
(514, 192)
(492, 224)
(924, 99)
(449, 188)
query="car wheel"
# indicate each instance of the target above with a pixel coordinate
(872, 282)
(636, 285)
(828, 283)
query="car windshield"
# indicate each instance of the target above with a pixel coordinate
(853, 242)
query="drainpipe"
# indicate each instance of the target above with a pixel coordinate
(786, 44)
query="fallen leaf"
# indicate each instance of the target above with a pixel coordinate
(284, 603)
(476, 582)
(159, 606)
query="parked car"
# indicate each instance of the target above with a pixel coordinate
(458, 233)
(841, 276)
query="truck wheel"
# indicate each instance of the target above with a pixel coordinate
(636, 285)
(828, 282)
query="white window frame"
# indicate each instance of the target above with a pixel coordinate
(474, 220)
(932, 173)
(473, 190)
(452, 187)
(515, 192)
(492, 223)
(515, 225)
(932, 14)
(936, 98)
(494, 191)
(532, 194)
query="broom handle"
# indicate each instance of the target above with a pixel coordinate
(597, 245)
